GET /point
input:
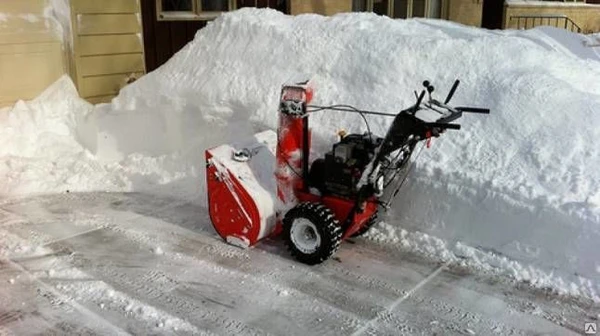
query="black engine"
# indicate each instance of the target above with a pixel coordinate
(341, 169)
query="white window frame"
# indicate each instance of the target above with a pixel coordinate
(196, 14)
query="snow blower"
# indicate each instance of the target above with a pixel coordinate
(270, 187)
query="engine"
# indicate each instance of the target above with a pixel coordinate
(339, 172)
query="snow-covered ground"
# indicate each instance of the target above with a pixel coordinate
(514, 196)
(112, 263)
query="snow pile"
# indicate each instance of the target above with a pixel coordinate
(41, 151)
(567, 42)
(54, 148)
(521, 183)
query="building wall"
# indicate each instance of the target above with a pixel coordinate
(585, 16)
(31, 52)
(467, 12)
(163, 38)
(323, 7)
(107, 46)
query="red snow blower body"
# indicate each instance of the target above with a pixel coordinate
(270, 187)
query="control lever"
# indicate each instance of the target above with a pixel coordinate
(452, 90)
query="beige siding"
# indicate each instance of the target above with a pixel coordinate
(31, 54)
(100, 99)
(111, 64)
(585, 16)
(17, 7)
(103, 85)
(467, 12)
(105, 6)
(323, 7)
(103, 24)
(27, 69)
(108, 46)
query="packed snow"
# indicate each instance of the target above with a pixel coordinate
(515, 193)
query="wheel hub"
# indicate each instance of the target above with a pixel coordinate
(304, 236)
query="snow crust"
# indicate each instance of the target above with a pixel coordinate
(516, 192)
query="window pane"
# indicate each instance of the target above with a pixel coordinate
(176, 5)
(400, 9)
(435, 9)
(359, 5)
(418, 8)
(380, 7)
(246, 3)
(214, 5)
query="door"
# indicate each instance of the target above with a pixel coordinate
(493, 10)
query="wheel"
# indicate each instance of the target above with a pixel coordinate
(311, 233)
(369, 224)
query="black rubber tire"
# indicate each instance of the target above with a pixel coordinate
(368, 225)
(328, 228)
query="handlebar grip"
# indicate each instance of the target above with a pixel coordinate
(443, 125)
(473, 110)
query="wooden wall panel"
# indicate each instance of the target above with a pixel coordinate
(15, 24)
(10, 7)
(31, 55)
(105, 85)
(28, 69)
(111, 64)
(323, 7)
(100, 99)
(27, 37)
(467, 12)
(105, 6)
(102, 24)
(110, 44)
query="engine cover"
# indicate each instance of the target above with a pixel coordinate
(340, 170)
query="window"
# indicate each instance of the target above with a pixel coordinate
(381, 7)
(276, 4)
(172, 10)
(249, 3)
(177, 5)
(400, 9)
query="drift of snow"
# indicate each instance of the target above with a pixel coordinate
(521, 184)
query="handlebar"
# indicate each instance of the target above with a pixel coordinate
(447, 112)
(473, 110)
(443, 125)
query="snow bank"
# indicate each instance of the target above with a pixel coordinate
(521, 184)
(41, 150)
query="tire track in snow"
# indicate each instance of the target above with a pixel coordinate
(115, 330)
(217, 263)
(400, 299)
(266, 272)
(109, 227)
(146, 241)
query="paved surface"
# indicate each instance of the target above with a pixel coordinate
(113, 263)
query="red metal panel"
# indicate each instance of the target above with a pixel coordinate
(341, 208)
(232, 210)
